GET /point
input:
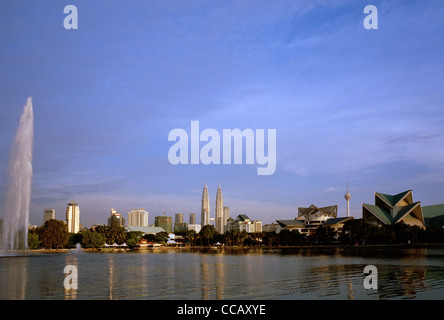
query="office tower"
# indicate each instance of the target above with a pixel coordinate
(226, 217)
(219, 211)
(192, 218)
(116, 219)
(48, 214)
(73, 217)
(347, 198)
(179, 225)
(138, 217)
(205, 209)
(178, 218)
(164, 222)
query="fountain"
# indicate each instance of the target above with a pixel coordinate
(16, 212)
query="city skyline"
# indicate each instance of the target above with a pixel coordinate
(347, 103)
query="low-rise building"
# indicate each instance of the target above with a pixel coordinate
(243, 222)
(309, 219)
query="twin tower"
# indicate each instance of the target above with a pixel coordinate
(221, 218)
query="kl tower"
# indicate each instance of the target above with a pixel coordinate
(347, 198)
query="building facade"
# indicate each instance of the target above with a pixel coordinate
(48, 214)
(309, 219)
(192, 218)
(164, 222)
(195, 227)
(226, 217)
(400, 208)
(116, 219)
(138, 217)
(244, 223)
(73, 217)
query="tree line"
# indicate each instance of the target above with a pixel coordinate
(54, 235)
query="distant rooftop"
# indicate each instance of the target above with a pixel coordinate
(145, 230)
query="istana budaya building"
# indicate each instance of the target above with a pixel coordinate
(309, 219)
(400, 208)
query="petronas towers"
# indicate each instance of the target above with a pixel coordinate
(205, 210)
(220, 223)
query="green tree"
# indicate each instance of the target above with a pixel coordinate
(133, 237)
(192, 236)
(54, 233)
(33, 240)
(112, 234)
(324, 234)
(74, 238)
(270, 239)
(208, 232)
(355, 231)
(284, 237)
(162, 237)
(92, 239)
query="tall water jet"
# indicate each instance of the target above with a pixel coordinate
(16, 217)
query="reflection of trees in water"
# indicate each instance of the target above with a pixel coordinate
(213, 279)
(329, 280)
(226, 276)
(397, 281)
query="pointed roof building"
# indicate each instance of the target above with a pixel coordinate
(391, 209)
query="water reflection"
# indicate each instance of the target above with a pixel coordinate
(13, 277)
(110, 276)
(71, 260)
(255, 274)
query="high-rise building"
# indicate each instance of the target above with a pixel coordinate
(205, 209)
(164, 222)
(192, 218)
(179, 225)
(220, 225)
(116, 219)
(226, 217)
(178, 218)
(48, 214)
(138, 217)
(73, 217)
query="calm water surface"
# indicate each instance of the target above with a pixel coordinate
(333, 273)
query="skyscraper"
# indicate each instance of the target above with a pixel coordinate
(164, 222)
(138, 217)
(205, 209)
(347, 198)
(116, 219)
(73, 217)
(178, 218)
(179, 225)
(192, 218)
(226, 217)
(220, 223)
(48, 214)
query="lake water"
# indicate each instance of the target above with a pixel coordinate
(315, 273)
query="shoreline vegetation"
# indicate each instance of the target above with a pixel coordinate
(248, 248)
(53, 236)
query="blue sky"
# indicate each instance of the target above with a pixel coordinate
(347, 103)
